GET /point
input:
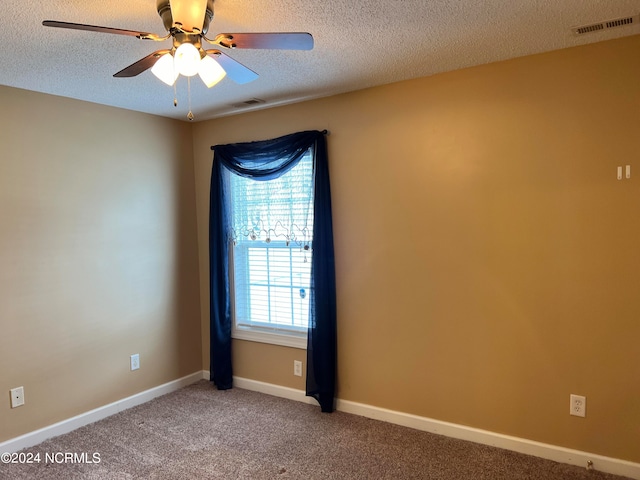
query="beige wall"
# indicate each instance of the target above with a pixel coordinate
(488, 260)
(98, 256)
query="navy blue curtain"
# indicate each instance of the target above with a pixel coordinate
(266, 160)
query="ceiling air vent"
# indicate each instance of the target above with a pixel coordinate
(596, 27)
(248, 103)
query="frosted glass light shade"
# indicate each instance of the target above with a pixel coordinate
(187, 60)
(163, 69)
(210, 71)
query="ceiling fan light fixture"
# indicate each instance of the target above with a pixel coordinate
(187, 23)
(187, 60)
(210, 71)
(164, 69)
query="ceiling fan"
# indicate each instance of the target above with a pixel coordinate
(187, 23)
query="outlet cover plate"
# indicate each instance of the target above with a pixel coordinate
(135, 361)
(17, 397)
(297, 368)
(578, 405)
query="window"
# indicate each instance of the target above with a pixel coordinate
(270, 264)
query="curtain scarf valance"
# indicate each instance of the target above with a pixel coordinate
(267, 160)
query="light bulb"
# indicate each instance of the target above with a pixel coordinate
(210, 71)
(163, 69)
(187, 59)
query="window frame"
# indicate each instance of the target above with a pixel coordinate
(294, 338)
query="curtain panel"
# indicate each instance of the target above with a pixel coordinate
(266, 160)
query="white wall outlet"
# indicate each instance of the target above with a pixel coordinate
(578, 405)
(17, 397)
(135, 361)
(297, 368)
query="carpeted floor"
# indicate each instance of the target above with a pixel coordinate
(201, 433)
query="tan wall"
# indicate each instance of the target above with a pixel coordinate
(488, 260)
(98, 256)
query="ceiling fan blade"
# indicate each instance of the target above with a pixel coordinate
(235, 70)
(276, 41)
(95, 28)
(188, 13)
(141, 65)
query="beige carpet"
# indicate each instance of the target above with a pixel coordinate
(201, 433)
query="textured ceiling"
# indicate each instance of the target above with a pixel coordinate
(358, 44)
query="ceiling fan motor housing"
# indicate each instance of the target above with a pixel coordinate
(164, 10)
(180, 38)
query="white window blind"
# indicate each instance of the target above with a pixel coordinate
(272, 228)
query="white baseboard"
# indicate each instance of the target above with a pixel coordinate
(33, 438)
(485, 437)
(275, 390)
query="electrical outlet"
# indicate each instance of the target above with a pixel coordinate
(578, 405)
(17, 397)
(297, 368)
(135, 361)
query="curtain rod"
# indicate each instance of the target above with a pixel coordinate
(325, 132)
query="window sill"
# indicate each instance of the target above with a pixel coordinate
(292, 340)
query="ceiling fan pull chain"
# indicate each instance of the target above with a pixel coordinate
(190, 114)
(175, 95)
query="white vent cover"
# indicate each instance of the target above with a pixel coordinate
(596, 27)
